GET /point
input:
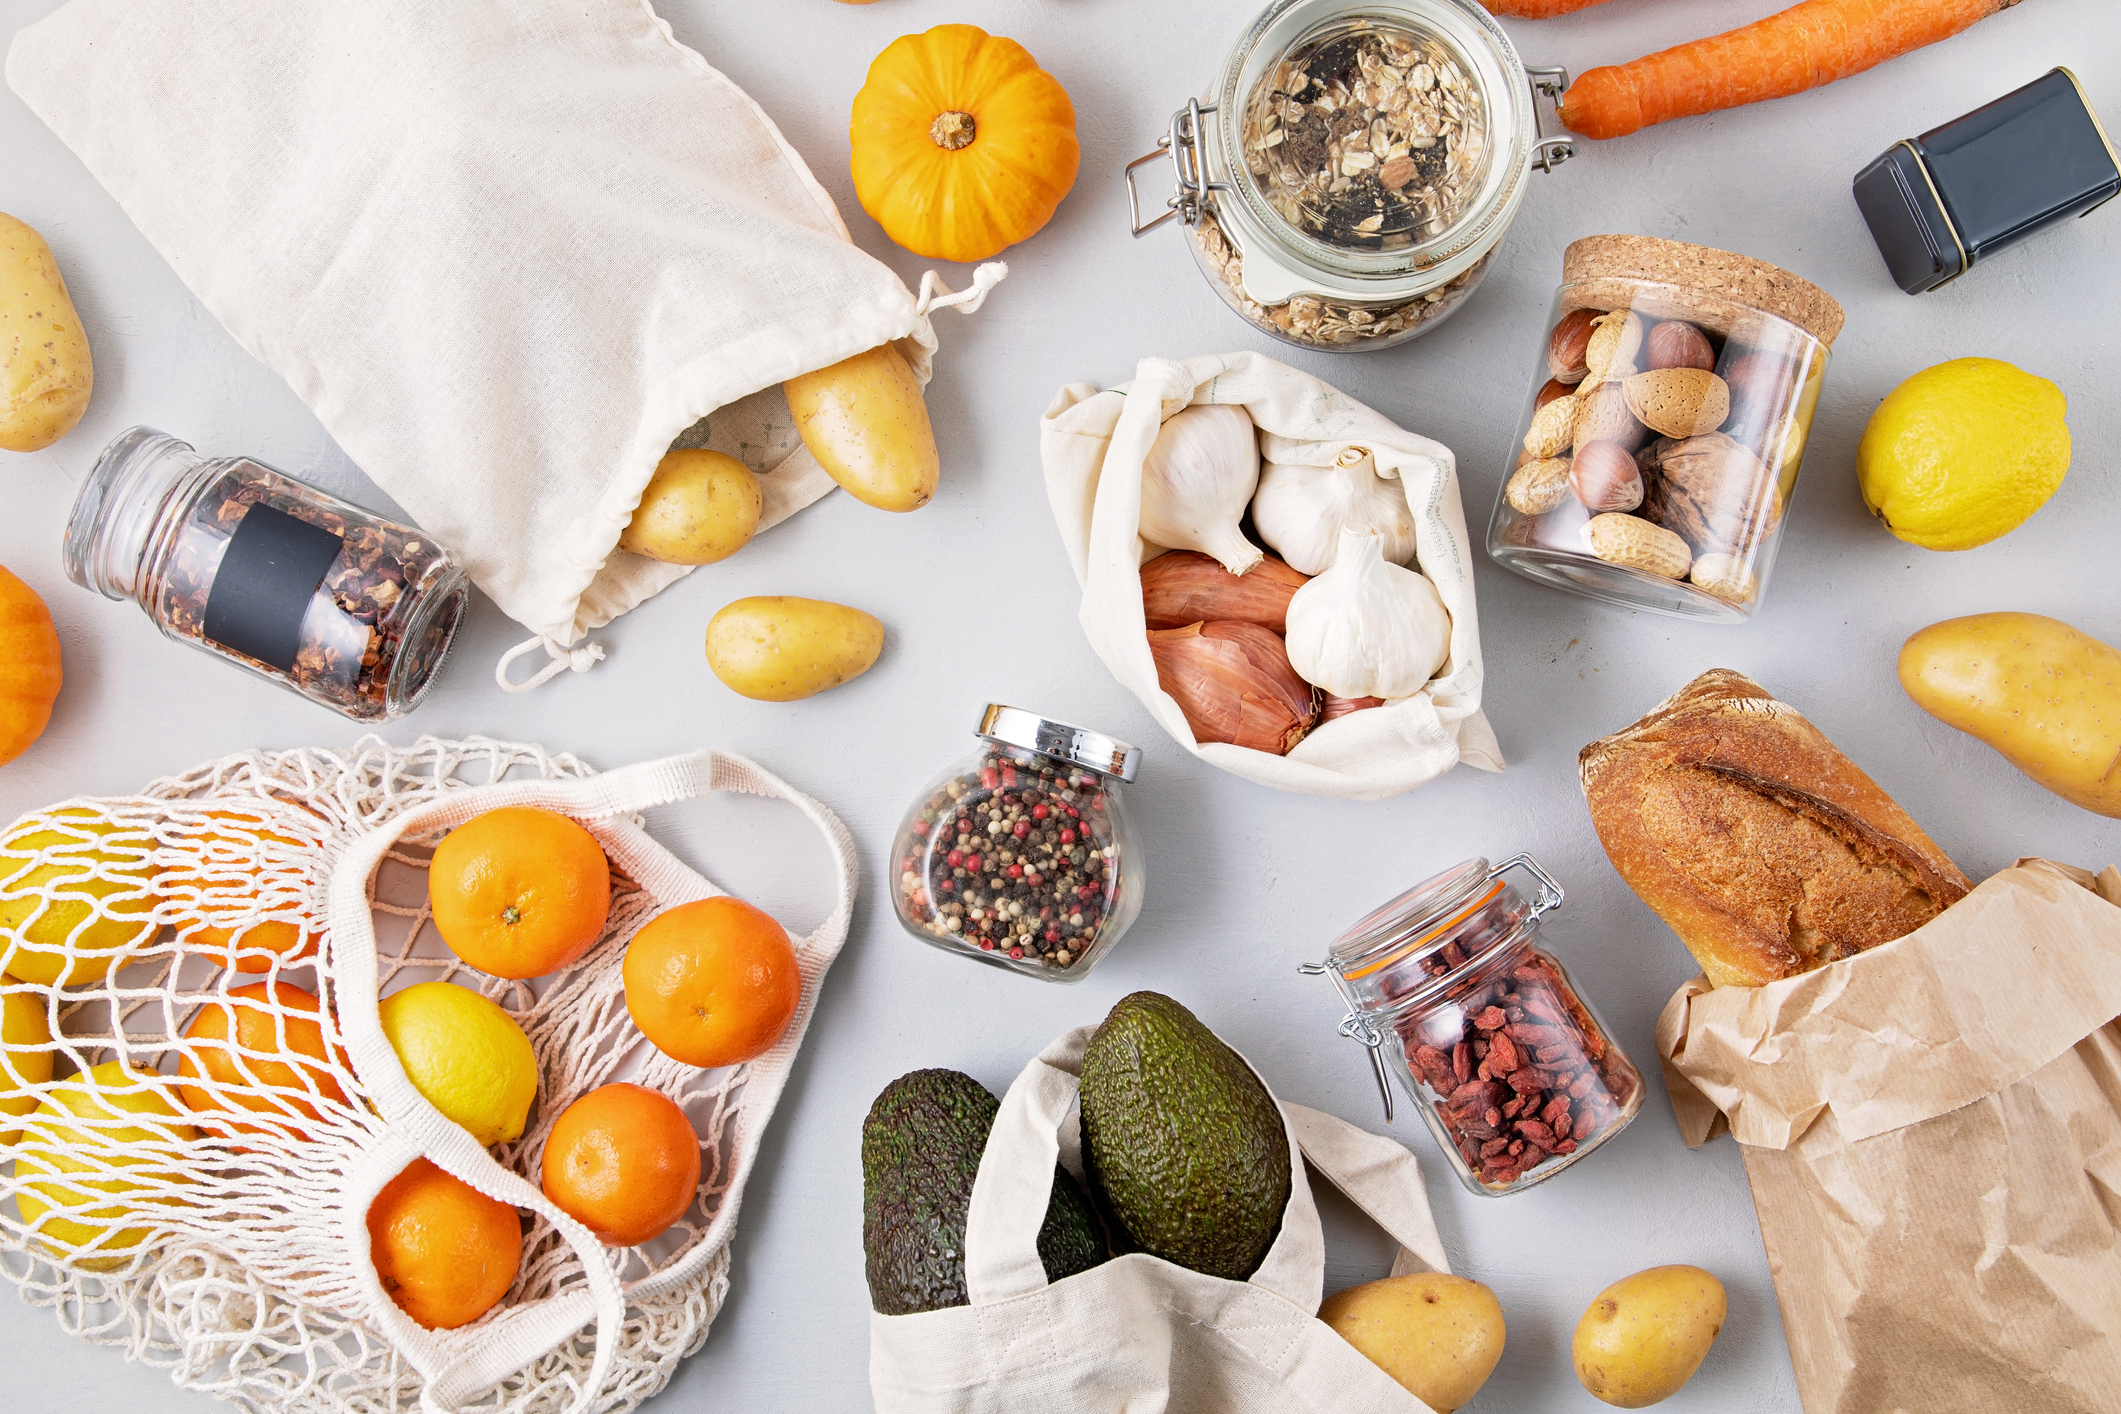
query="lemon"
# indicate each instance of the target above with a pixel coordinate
(99, 903)
(1963, 453)
(89, 1215)
(25, 1052)
(466, 1055)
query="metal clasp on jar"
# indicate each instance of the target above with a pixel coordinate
(1182, 144)
(1357, 1027)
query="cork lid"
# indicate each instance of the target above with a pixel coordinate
(1719, 288)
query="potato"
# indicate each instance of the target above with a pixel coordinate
(2044, 694)
(1436, 1334)
(45, 373)
(866, 423)
(776, 648)
(1645, 1335)
(699, 507)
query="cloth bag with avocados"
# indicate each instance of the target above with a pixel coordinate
(1137, 1332)
(1093, 444)
(505, 253)
(1932, 1130)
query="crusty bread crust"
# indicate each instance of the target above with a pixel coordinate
(1767, 851)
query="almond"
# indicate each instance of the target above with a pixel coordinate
(1679, 402)
(1606, 418)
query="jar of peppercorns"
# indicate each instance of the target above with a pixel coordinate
(1448, 987)
(1023, 856)
(229, 555)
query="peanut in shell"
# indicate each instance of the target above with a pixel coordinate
(1633, 543)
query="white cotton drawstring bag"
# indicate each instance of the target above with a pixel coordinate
(1137, 1333)
(1093, 444)
(505, 252)
(237, 1256)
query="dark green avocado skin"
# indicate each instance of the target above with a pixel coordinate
(1184, 1149)
(921, 1147)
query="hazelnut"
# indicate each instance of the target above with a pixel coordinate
(1605, 478)
(1678, 344)
(1569, 344)
(1762, 385)
(1548, 391)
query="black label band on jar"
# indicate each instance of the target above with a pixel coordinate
(268, 575)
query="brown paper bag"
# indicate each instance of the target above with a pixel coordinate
(1933, 1135)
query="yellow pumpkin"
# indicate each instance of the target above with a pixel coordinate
(963, 145)
(29, 666)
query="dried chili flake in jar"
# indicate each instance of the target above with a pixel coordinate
(1511, 1069)
(343, 607)
(1024, 856)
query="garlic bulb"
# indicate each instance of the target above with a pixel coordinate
(1195, 483)
(1301, 510)
(1365, 628)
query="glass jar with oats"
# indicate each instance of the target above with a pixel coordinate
(1657, 451)
(1345, 183)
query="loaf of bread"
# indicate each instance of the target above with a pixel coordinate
(1767, 851)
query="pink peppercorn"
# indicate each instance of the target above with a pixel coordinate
(972, 863)
(1016, 871)
(956, 857)
(1023, 827)
(1067, 837)
(1039, 812)
(990, 778)
(1016, 952)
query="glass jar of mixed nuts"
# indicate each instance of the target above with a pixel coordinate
(1514, 1073)
(1024, 856)
(1659, 448)
(346, 608)
(1346, 181)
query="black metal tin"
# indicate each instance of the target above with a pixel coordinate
(1940, 203)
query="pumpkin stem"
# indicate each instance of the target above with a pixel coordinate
(952, 130)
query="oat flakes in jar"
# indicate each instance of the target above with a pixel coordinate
(1658, 450)
(1345, 183)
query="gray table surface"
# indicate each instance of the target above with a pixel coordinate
(980, 605)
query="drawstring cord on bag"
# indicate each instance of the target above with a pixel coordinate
(579, 658)
(963, 301)
(582, 657)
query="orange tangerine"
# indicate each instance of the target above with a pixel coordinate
(235, 1040)
(713, 982)
(445, 1251)
(623, 1161)
(519, 892)
(234, 845)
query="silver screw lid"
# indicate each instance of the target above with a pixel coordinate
(1108, 756)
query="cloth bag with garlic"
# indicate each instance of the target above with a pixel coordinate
(1339, 493)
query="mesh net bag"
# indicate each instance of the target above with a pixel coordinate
(200, 966)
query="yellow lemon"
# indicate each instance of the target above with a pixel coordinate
(89, 1215)
(1963, 453)
(466, 1055)
(64, 920)
(25, 1052)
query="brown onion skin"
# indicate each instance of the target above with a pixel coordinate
(1330, 707)
(1234, 684)
(1184, 587)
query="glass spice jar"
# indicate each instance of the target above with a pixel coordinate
(1346, 180)
(230, 555)
(1024, 856)
(1658, 450)
(1448, 986)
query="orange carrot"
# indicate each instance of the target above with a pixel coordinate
(1805, 46)
(1539, 9)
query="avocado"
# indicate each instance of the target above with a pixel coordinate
(921, 1149)
(1185, 1150)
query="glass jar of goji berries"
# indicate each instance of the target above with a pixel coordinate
(1023, 856)
(1512, 1070)
(230, 555)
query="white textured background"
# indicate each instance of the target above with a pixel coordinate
(980, 605)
